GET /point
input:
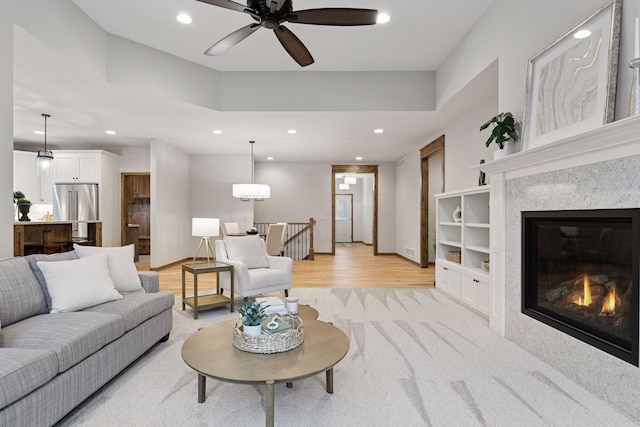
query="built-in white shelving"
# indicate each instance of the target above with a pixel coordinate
(466, 280)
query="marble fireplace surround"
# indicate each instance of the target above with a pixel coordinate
(599, 169)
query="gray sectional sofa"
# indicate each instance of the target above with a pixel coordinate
(49, 363)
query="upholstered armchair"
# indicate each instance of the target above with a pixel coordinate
(255, 272)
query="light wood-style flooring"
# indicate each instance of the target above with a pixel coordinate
(351, 267)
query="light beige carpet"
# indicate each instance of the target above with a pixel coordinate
(416, 358)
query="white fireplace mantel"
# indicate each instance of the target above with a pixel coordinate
(612, 141)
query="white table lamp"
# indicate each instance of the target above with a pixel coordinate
(205, 228)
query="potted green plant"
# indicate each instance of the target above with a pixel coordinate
(504, 129)
(23, 205)
(252, 313)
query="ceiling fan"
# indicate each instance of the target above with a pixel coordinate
(270, 14)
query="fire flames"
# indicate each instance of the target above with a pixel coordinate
(609, 304)
(587, 292)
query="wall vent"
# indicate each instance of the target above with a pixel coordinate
(401, 163)
(410, 252)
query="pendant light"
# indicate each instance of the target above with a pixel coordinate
(246, 192)
(45, 157)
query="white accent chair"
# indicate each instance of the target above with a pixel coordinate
(275, 238)
(255, 272)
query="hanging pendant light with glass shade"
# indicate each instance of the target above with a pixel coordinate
(45, 156)
(246, 192)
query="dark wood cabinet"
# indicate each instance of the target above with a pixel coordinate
(50, 237)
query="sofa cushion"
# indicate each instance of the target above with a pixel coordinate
(20, 293)
(136, 308)
(77, 284)
(24, 370)
(250, 250)
(267, 277)
(33, 263)
(71, 336)
(121, 265)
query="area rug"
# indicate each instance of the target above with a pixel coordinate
(416, 358)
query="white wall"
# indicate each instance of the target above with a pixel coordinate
(170, 216)
(63, 26)
(513, 31)
(464, 146)
(211, 178)
(6, 135)
(299, 191)
(408, 193)
(135, 158)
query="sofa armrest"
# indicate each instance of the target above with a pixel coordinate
(239, 269)
(150, 281)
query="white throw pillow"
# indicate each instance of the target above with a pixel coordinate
(79, 283)
(249, 250)
(123, 269)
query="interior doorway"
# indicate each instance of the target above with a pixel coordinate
(135, 205)
(432, 167)
(355, 169)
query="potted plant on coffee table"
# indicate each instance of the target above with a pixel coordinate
(252, 314)
(504, 130)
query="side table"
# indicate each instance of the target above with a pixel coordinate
(205, 302)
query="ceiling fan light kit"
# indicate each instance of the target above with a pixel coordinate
(271, 14)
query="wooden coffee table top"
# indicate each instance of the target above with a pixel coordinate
(210, 352)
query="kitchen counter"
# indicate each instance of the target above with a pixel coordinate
(47, 237)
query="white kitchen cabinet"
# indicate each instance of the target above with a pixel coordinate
(77, 167)
(463, 228)
(25, 178)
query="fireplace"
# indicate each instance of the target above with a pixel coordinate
(580, 275)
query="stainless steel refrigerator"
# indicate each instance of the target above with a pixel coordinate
(77, 203)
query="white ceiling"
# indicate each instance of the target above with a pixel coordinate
(419, 36)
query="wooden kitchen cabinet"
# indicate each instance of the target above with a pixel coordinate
(50, 237)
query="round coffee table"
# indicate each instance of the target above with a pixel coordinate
(211, 353)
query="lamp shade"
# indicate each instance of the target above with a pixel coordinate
(251, 191)
(205, 227)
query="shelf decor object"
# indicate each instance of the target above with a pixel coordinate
(571, 84)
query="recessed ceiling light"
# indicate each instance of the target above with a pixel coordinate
(39, 132)
(383, 18)
(110, 132)
(269, 158)
(217, 132)
(359, 158)
(292, 131)
(378, 131)
(582, 34)
(184, 18)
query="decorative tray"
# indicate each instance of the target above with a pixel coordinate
(267, 344)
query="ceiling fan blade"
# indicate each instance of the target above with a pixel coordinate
(228, 4)
(333, 16)
(293, 46)
(275, 5)
(232, 39)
